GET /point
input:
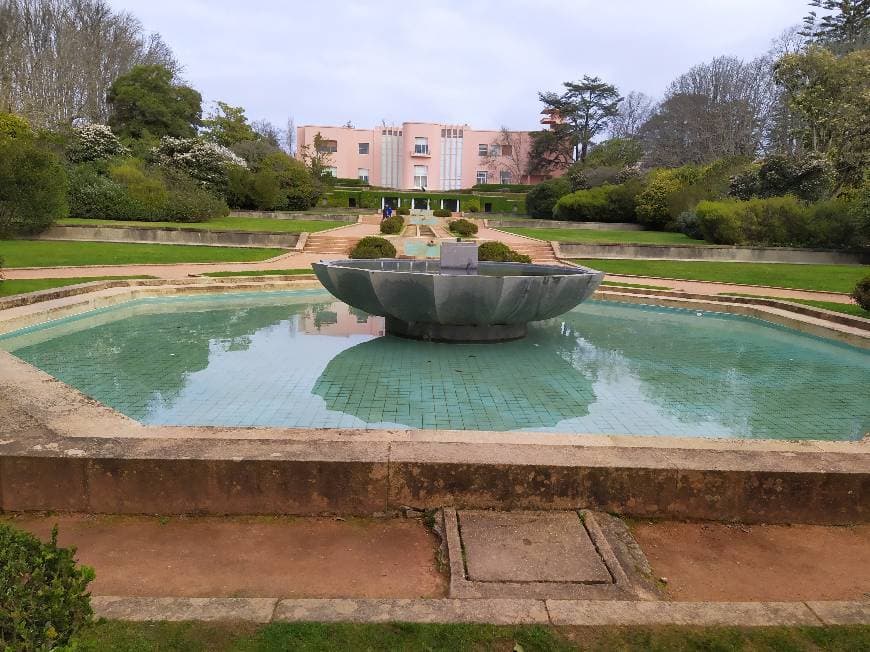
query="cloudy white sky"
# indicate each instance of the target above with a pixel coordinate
(479, 62)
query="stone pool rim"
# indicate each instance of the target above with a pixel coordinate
(60, 450)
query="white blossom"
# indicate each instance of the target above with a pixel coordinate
(202, 160)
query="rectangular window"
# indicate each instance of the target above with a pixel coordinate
(328, 147)
(331, 170)
(362, 174)
(421, 176)
(363, 148)
(482, 150)
(495, 150)
(421, 145)
(481, 176)
(507, 150)
(505, 176)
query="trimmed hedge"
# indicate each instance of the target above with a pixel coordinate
(442, 212)
(463, 227)
(541, 200)
(372, 246)
(605, 203)
(392, 225)
(371, 199)
(779, 221)
(500, 253)
(43, 593)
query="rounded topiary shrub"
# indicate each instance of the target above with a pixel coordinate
(463, 227)
(500, 253)
(861, 293)
(403, 210)
(442, 212)
(373, 247)
(43, 592)
(392, 225)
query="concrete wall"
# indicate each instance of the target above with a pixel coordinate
(558, 224)
(711, 252)
(170, 236)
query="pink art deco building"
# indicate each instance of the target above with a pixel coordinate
(423, 155)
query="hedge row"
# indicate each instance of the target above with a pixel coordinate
(372, 199)
(779, 221)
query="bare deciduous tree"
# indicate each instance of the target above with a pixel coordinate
(59, 57)
(509, 152)
(634, 110)
(716, 109)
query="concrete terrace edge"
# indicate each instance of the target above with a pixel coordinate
(500, 611)
(60, 450)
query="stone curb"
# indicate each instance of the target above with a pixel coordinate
(497, 611)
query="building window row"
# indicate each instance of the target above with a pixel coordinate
(451, 133)
(391, 132)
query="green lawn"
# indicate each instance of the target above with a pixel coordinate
(263, 272)
(48, 253)
(255, 224)
(826, 278)
(621, 237)
(846, 308)
(224, 637)
(20, 286)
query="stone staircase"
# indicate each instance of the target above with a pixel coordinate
(539, 250)
(329, 244)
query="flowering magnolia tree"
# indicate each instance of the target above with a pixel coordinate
(204, 161)
(94, 142)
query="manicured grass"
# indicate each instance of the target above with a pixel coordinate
(621, 237)
(48, 253)
(846, 308)
(263, 272)
(224, 637)
(254, 224)
(825, 278)
(635, 285)
(20, 286)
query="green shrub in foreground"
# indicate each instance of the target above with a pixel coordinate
(500, 253)
(861, 293)
(43, 593)
(392, 225)
(372, 246)
(32, 188)
(463, 227)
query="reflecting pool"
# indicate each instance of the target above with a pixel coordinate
(302, 359)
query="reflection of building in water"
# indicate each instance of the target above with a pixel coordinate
(339, 319)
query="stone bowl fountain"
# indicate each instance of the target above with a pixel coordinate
(457, 299)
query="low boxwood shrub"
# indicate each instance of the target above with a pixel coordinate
(463, 227)
(861, 293)
(392, 225)
(403, 210)
(500, 253)
(442, 212)
(43, 592)
(372, 246)
(541, 200)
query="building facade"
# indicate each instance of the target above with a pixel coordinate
(422, 155)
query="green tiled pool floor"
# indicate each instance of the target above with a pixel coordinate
(301, 359)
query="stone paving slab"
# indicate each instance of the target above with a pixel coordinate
(495, 611)
(581, 613)
(257, 610)
(700, 614)
(529, 547)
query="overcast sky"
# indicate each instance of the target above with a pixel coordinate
(479, 62)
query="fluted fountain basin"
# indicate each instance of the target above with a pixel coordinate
(420, 300)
